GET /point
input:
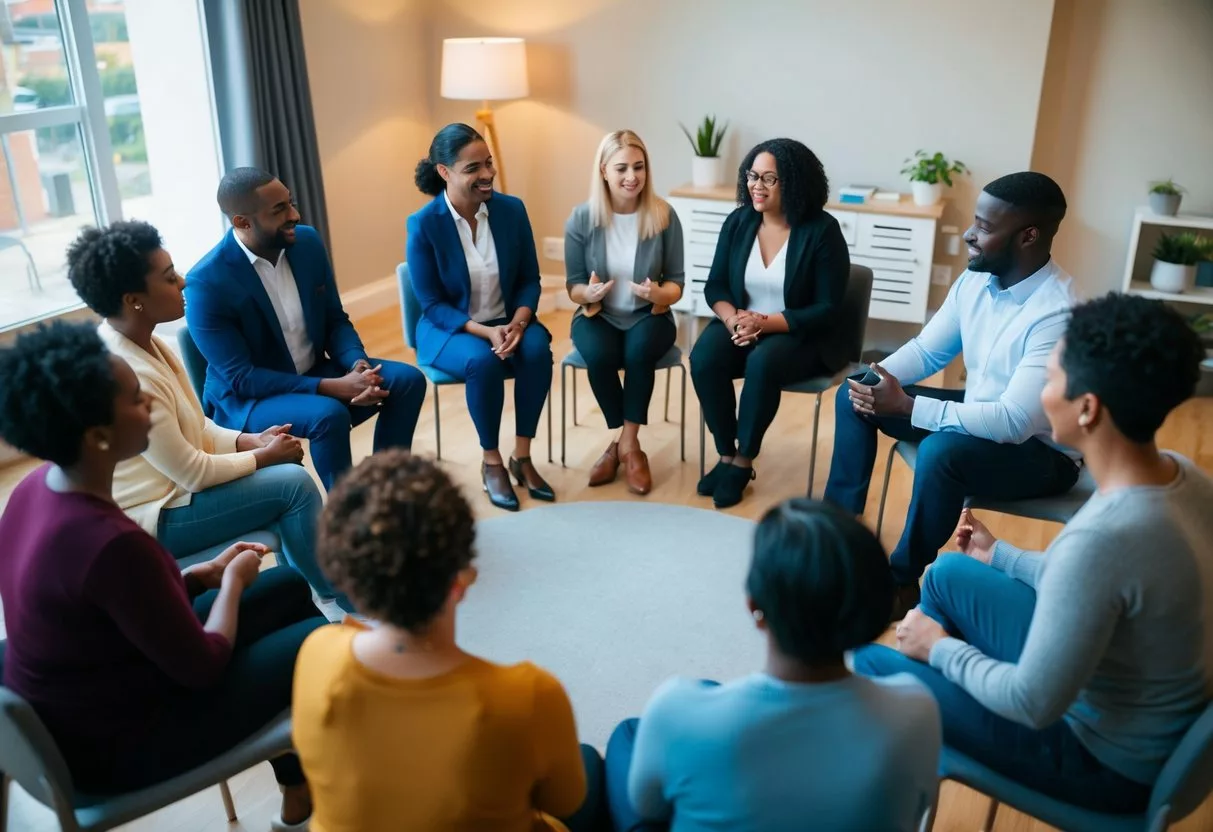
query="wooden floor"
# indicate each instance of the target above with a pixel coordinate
(782, 472)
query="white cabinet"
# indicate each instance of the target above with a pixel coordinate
(898, 244)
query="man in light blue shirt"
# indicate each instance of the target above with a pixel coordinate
(1004, 314)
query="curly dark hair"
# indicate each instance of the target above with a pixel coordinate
(821, 579)
(1139, 356)
(56, 382)
(394, 535)
(104, 264)
(803, 183)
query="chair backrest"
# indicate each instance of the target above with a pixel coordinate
(29, 756)
(854, 322)
(195, 362)
(410, 307)
(1187, 778)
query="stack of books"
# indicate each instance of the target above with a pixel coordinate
(859, 194)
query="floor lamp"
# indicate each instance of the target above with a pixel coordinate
(485, 69)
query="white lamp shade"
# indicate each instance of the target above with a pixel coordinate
(484, 69)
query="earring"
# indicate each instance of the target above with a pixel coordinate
(758, 616)
(138, 307)
(103, 445)
(1084, 420)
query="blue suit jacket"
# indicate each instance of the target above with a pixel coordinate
(236, 329)
(439, 270)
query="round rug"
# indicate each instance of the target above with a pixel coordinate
(613, 598)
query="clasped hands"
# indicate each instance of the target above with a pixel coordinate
(885, 398)
(239, 562)
(745, 326)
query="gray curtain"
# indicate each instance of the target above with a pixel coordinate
(263, 99)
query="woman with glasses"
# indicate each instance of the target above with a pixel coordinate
(623, 255)
(776, 283)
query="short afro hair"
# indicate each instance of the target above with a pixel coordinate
(1034, 194)
(103, 264)
(238, 190)
(394, 535)
(821, 580)
(56, 382)
(1138, 356)
(804, 186)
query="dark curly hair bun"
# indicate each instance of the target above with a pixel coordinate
(103, 264)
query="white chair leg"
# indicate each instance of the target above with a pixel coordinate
(884, 490)
(229, 805)
(991, 816)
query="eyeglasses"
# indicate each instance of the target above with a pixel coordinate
(768, 179)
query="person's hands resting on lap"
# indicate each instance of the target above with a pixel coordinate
(917, 634)
(209, 575)
(886, 398)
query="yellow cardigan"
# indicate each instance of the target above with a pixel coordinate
(186, 453)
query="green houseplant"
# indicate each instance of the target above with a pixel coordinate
(707, 168)
(1175, 259)
(928, 173)
(1165, 197)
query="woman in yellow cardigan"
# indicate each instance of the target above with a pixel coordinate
(197, 485)
(398, 729)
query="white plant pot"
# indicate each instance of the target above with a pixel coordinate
(926, 193)
(707, 171)
(1173, 278)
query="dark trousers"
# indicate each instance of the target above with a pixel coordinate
(992, 611)
(471, 359)
(607, 350)
(775, 361)
(624, 817)
(590, 816)
(276, 615)
(950, 468)
(326, 422)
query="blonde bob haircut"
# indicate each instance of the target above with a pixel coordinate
(653, 213)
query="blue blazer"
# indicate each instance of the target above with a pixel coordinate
(236, 329)
(439, 270)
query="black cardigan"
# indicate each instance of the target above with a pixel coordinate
(818, 267)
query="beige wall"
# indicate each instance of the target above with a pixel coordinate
(1128, 98)
(367, 71)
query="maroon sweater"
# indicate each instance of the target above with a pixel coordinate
(100, 626)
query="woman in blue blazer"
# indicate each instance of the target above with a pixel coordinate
(471, 256)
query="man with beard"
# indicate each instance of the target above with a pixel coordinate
(264, 309)
(1004, 314)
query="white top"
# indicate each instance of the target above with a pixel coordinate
(1006, 336)
(622, 236)
(485, 302)
(279, 283)
(764, 284)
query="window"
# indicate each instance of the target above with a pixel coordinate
(105, 114)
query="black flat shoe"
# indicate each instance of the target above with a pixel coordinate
(526, 475)
(707, 483)
(497, 485)
(731, 486)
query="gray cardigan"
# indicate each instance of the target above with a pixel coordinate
(659, 258)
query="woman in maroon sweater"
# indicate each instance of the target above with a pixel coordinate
(139, 671)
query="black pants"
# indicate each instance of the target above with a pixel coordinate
(636, 351)
(592, 814)
(775, 361)
(276, 615)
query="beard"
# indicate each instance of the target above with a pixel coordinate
(993, 262)
(274, 240)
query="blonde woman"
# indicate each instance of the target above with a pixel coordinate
(623, 260)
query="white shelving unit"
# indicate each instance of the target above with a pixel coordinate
(1147, 228)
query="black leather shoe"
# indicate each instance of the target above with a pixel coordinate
(905, 598)
(732, 484)
(497, 486)
(707, 483)
(526, 475)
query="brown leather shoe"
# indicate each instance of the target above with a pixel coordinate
(497, 486)
(607, 467)
(640, 480)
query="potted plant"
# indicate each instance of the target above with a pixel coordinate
(1165, 197)
(929, 173)
(707, 168)
(1175, 259)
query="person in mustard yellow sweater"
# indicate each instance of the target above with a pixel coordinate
(397, 728)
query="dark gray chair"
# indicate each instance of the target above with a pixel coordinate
(853, 326)
(195, 365)
(410, 313)
(668, 362)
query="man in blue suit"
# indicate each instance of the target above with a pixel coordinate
(264, 310)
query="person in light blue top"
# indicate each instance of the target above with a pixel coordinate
(1004, 314)
(802, 744)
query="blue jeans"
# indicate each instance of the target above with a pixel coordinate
(950, 468)
(281, 498)
(326, 422)
(992, 612)
(624, 818)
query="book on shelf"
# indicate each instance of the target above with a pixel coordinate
(886, 196)
(855, 194)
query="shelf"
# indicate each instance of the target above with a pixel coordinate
(904, 208)
(1198, 294)
(1148, 217)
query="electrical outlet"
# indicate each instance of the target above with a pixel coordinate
(553, 248)
(941, 275)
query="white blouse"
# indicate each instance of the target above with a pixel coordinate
(485, 303)
(622, 236)
(764, 284)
